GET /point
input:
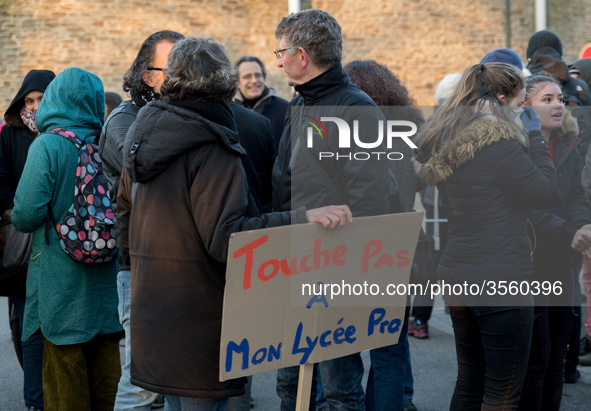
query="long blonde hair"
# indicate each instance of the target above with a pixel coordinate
(481, 84)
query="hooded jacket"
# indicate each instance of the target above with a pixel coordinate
(184, 192)
(555, 228)
(487, 192)
(15, 139)
(69, 301)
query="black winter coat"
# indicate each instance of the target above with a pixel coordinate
(487, 193)
(271, 106)
(256, 137)
(555, 228)
(15, 140)
(191, 195)
(364, 184)
(15, 137)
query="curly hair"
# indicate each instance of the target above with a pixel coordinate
(383, 87)
(317, 32)
(199, 68)
(133, 81)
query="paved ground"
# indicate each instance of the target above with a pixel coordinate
(433, 362)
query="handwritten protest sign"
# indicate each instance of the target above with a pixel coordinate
(272, 317)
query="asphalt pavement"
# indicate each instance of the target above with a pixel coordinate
(433, 362)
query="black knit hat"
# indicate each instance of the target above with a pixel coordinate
(543, 38)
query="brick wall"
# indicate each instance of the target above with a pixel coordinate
(420, 40)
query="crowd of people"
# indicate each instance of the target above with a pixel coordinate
(204, 148)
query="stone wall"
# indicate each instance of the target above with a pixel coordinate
(420, 40)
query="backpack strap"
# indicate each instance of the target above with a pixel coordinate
(50, 220)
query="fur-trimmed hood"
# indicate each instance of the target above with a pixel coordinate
(487, 130)
(569, 126)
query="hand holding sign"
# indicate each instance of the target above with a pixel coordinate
(582, 240)
(330, 216)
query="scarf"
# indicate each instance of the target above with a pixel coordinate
(141, 100)
(250, 103)
(28, 118)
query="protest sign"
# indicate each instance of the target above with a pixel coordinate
(272, 317)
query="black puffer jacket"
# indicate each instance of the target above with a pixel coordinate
(364, 184)
(190, 197)
(556, 227)
(487, 193)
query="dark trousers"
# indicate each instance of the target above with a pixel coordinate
(542, 389)
(32, 351)
(492, 346)
(82, 377)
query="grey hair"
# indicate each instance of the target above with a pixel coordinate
(317, 32)
(199, 68)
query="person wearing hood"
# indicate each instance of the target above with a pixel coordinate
(15, 139)
(183, 174)
(560, 232)
(490, 173)
(72, 305)
(253, 94)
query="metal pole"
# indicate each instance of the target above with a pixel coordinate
(436, 240)
(540, 15)
(295, 6)
(508, 22)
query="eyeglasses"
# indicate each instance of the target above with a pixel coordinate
(248, 76)
(279, 53)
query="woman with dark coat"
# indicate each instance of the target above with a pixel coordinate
(15, 138)
(489, 172)
(559, 231)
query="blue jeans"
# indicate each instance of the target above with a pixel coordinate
(129, 397)
(196, 404)
(385, 385)
(32, 361)
(492, 346)
(341, 380)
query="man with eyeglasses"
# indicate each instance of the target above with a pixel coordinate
(142, 81)
(253, 94)
(310, 54)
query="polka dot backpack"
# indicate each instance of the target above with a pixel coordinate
(87, 232)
